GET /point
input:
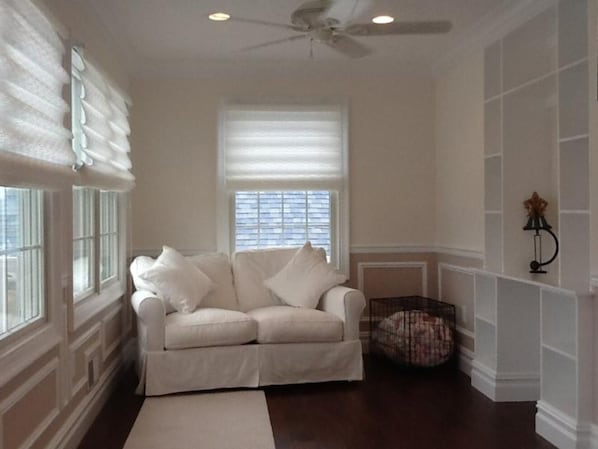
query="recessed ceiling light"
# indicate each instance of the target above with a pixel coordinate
(219, 16)
(383, 19)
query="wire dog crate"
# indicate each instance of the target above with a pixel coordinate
(412, 330)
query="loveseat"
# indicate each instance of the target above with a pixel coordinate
(242, 334)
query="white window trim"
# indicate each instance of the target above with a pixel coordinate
(111, 290)
(225, 198)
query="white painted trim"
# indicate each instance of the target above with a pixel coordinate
(465, 332)
(562, 430)
(78, 422)
(108, 350)
(74, 347)
(22, 391)
(423, 266)
(391, 249)
(462, 270)
(493, 26)
(505, 387)
(466, 357)
(594, 282)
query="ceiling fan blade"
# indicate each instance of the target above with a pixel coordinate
(348, 47)
(278, 41)
(264, 22)
(424, 27)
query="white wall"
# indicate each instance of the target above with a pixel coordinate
(459, 155)
(174, 150)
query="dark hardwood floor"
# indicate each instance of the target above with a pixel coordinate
(393, 408)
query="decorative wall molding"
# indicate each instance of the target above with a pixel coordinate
(562, 430)
(22, 390)
(78, 422)
(423, 266)
(465, 359)
(465, 332)
(493, 26)
(94, 331)
(501, 387)
(108, 349)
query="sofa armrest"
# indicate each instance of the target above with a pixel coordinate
(347, 304)
(150, 320)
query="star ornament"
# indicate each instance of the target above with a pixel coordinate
(535, 206)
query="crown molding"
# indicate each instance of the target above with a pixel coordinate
(493, 26)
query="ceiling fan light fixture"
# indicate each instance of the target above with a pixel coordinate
(383, 19)
(219, 16)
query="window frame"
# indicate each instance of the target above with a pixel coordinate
(110, 289)
(339, 234)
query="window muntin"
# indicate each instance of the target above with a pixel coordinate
(283, 218)
(21, 258)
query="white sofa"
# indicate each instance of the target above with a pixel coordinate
(242, 335)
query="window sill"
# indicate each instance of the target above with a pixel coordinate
(90, 307)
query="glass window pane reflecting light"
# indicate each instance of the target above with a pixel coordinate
(21, 258)
(83, 242)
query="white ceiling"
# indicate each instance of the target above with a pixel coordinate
(176, 36)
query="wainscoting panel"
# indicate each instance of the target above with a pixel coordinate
(35, 402)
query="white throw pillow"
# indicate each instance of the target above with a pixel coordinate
(304, 279)
(177, 280)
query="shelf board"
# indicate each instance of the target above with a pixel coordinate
(485, 320)
(560, 352)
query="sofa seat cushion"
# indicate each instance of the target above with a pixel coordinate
(208, 327)
(285, 324)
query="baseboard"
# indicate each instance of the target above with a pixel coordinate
(465, 360)
(505, 387)
(73, 430)
(562, 430)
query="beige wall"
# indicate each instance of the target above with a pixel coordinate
(45, 399)
(459, 155)
(174, 143)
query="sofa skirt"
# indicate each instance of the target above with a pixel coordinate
(251, 365)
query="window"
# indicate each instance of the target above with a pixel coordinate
(36, 161)
(283, 176)
(95, 240)
(288, 218)
(21, 258)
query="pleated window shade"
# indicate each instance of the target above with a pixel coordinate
(32, 76)
(283, 146)
(100, 125)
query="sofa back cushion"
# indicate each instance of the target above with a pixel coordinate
(251, 268)
(217, 267)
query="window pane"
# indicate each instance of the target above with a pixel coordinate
(83, 279)
(21, 258)
(266, 219)
(83, 212)
(108, 235)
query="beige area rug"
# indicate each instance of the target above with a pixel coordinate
(230, 420)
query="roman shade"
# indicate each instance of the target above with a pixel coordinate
(32, 130)
(100, 127)
(283, 146)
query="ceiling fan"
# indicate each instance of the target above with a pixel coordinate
(329, 22)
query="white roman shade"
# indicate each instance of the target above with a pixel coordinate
(283, 146)
(100, 127)
(32, 110)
